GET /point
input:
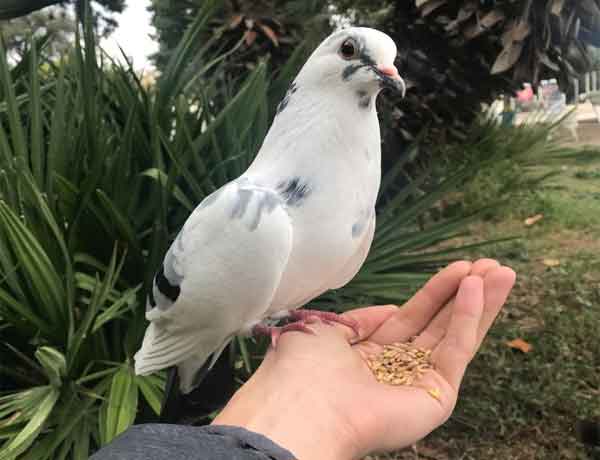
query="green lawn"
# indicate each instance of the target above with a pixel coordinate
(523, 406)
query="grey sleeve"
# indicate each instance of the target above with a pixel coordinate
(180, 442)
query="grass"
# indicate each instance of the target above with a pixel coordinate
(572, 199)
(524, 406)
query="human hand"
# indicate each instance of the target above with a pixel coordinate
(315, 395)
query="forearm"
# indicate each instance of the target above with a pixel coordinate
(289, 415)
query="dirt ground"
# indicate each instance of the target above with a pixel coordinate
(589, 134)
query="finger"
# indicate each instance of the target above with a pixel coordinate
(482, 266)
(497, 286)
(411, 318)
(436, 329)
(459, 344)
(368, 319)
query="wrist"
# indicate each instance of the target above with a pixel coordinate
(288, 414)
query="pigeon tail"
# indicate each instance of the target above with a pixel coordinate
(161, 350)
(190, 352)
(193, 370)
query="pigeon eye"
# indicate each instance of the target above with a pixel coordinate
(348, 50)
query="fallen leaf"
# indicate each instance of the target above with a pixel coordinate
(270, 33)
(551, 262)
(472, 31)
(507, 58)
(235, 21)
(557, 6)
(521, 345)
(507, 35)
(483, 25)
(466, 11)
(249, 37)
(533, 220)
(520, 31)
(492, 18)
(431, 6)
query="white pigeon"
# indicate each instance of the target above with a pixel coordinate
(298, 222)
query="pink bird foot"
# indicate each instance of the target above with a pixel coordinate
(301, 319)
(275, 331)
(327, 317)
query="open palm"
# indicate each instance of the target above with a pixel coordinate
(322, 379)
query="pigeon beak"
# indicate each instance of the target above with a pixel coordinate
(390, 78)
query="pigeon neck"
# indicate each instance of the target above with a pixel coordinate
(312, 121)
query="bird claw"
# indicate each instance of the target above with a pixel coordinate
(301, 319)
(299, 326)
(327, 317)
(275, 331)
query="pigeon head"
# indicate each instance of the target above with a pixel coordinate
(357, 58)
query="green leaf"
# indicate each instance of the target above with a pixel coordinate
(54, 364)
(116, 216)
(36, 129)
(100, 293)
(18, 133)
(81, 444)
(121, 406)
(36, 266)
(125, 303)
(70, 417)
(152, 389)
(173, 78)
(33, 427)
(160, 177)
(42, 207)
(12, 309)
(245, 354)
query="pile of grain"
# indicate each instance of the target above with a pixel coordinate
(400, 364)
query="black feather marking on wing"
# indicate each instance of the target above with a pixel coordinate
(167, 289)
(294, 190)
(286, 99)
(151, 300)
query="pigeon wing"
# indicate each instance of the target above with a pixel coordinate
(217, 279)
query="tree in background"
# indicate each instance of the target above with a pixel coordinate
(57, 21)
(455, 54)
(256, 29)
(460, 54)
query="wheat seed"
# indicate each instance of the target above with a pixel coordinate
(400, 363)
(435, 393)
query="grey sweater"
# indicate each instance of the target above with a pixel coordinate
(180, 442)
